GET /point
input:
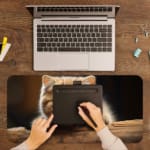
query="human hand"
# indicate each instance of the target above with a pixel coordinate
(95, 113)
(39, 133)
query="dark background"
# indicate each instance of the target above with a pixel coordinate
(123, 93)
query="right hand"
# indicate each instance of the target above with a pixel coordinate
(95, 113)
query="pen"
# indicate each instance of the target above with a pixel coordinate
(4, 43)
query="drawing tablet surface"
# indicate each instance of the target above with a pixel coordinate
(68, 97)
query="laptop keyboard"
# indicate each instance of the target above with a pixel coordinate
(67, 38)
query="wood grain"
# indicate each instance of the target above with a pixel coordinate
(132, 19)
(129, 131)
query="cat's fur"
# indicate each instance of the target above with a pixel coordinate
(46, 95)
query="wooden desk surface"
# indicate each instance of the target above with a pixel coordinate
(132, 19)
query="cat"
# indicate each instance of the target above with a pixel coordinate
(46, 95)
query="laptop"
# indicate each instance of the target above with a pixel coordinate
(74, 37)
(67, 98)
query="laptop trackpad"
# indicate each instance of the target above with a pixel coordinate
(73, 61)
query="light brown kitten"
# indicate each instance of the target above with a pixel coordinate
(46, 95)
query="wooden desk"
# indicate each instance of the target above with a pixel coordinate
(132, 19)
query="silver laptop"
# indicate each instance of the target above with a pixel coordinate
(74, 37)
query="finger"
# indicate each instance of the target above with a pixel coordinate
(88, 104)
(42, 122)
(85, 118)
(84, 104)
(52, 129)
(49, 120)
(34, 122)
(38, 121)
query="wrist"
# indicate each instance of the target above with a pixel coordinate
(30, 144)
(100, 127)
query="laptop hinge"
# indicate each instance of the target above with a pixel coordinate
(75, 18)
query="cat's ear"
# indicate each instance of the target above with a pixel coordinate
(89, 80)
(47, 80)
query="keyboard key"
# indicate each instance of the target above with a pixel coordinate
(100, 49)
(48, 44)
(89, 39)
(97, 34)
(72, 44)
(109, 49)
(39, 34)
(87, 44)
(60, 39)
(46, 39)
(104, 49)
(88, 49)
(40, 39)
(74, 39)
(88, 35)
(54, 49)
(101, 40)
(93, 34)
(39, 49)
(83, 49)
(103, 35)
(53, 44)
(104, 44)
(45, 49)
(109, 44)
(58, 44)
(55, 39)
(109, 26)
(41, 44)
(69, 49)
(82, 44)
(39, 30)
(78, 35)
(98, 44)
(91, 44)
(109, 34)
(79, 39)
(85, 39)
(49, 49)
(94, 49)
(77, 45)
(63, 44)
(70, 39)
(109, 39)
(68, 44)
(43, 30)
(65, 39)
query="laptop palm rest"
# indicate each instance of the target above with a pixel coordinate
(73, 60)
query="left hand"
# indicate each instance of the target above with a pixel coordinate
(39, 133)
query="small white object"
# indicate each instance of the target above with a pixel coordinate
(146, 34)
(136, 39)
(4, 51)
(137, 52)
